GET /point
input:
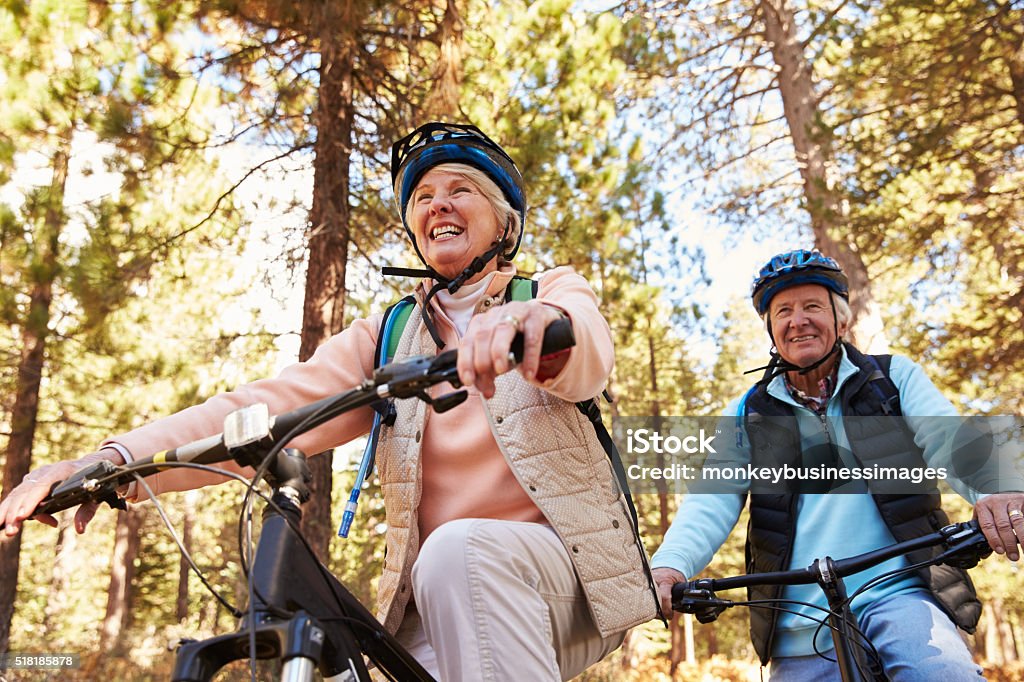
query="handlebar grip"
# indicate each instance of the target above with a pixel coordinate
(557, 337)
(679, 591)
(84, 486)
(685, 589)
(697, 597)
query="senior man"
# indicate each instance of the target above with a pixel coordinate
(808, 404)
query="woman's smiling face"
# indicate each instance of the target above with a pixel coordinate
(452, 221)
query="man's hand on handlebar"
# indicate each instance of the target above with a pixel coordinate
(664, 579)
(24, 498)
(483, 352)
(1002, 521)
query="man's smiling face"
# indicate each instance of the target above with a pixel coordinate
(802, 323)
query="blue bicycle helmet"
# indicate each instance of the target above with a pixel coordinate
(797, 267)
(435, 143)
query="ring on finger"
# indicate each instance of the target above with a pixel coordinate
(514, 321)
(1016, 513)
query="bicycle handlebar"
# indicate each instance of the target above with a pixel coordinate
(965, 547)
(404, 379)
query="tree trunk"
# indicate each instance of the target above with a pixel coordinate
(1009, 652)
(122, 575)
(63, 568)
(443, 101)
(1011, 626)
(680, 625)
(181, 604)
(677, 646)
(813, 149)
(1016, 68)
(691, 656)
(34, 334)
(659, 484)
(323, 312)
(710, 634)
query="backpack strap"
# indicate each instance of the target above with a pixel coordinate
(742, 412)
(883, 386)
(395, 318)
(592, 411)
(391, 328)
(521, 289)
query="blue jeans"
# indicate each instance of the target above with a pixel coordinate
(915, 639)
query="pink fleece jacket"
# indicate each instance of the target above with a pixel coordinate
(464, 472)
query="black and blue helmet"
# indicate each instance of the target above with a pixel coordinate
(797, 267)
(435, 143)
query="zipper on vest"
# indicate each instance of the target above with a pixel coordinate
(786, 558)
(829, 440)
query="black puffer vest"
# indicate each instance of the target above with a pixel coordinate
(773, 516)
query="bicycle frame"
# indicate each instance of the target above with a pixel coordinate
(965, 544)
(329, 628)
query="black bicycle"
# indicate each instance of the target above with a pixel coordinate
(298, 612)
(963, 544)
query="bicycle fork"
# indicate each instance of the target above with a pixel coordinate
(854, 664)
(298, 642)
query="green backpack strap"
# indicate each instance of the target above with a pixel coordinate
(521, 289)
(391, 328)
(387, 342)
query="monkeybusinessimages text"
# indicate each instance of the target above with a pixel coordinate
(648, 441)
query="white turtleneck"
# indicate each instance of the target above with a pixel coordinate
(459, 306)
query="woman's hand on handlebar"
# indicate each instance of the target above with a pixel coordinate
(664, 579)
(37, 484)
(483, 352)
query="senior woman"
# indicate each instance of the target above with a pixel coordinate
(511, 551)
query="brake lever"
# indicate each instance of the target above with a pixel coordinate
(966, 544)
(409, 378)
(701, 602)
(94, 483)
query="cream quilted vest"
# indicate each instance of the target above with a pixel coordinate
(554, 453)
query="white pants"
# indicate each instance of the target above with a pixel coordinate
(499, 600)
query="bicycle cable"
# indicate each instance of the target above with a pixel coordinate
(888, 575)
(233, 610)
(245, 519)
(773, 605)
(140, 479)
(861, 640)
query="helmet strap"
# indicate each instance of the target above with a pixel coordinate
(442, 282)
